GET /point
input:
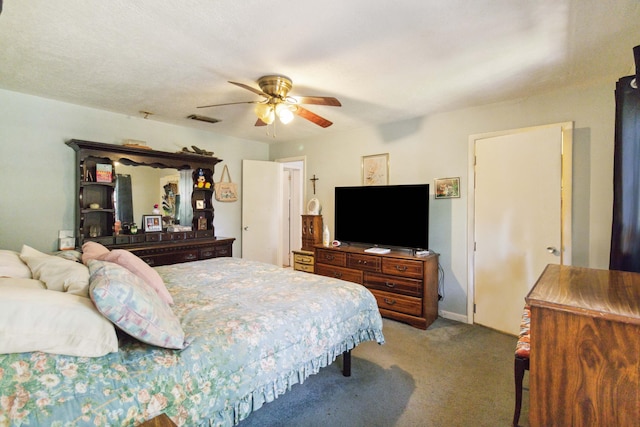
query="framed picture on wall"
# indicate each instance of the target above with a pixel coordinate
(375, 169)
(152, 223)
(447, 188)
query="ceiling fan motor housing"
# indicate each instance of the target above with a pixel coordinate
(278, 86)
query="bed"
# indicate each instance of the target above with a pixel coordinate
(250, 331)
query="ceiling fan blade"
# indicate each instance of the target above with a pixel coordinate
(318, 100)
(228, 103)
(260, 123)
(252, 89)
(312, 117)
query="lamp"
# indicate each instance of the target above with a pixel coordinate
(267, 112)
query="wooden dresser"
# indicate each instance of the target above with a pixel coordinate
(405, 286)
(175, 251)
(585, 348)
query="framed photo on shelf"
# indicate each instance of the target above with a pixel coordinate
(152, 223)
(202, 223)
(375, 169)
(447, 188)
(199, 204)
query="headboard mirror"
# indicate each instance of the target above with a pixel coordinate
(139, 188)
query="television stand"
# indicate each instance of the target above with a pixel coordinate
(379, 251)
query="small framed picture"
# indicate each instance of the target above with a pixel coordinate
(202, 223)
(447, 188)
(375, 169)
(199, 204)
(152, 223)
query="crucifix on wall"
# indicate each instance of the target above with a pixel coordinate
(313, 180)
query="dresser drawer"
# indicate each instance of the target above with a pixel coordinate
(303, 259)
(152, 237)
(223, 250)
(403, 267)
(349, 275)
(390, 283)
(332, 257)
(303, 267)
(396, 302)
(363, 262)
(206, 253)
(170, 257)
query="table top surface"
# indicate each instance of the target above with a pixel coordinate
(608, 294)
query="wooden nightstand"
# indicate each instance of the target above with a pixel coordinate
(303, 261)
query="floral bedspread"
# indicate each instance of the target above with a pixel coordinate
(255, 330)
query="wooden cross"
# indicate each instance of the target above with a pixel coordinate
(314, 179)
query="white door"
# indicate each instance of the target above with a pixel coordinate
(262, 211)
(518, 220)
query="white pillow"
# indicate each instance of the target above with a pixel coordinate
(57, 273)
(12, 266)
(53, 322)
(19, 282)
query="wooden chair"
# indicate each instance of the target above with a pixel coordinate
(521, 363)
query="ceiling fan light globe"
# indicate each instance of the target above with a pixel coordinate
(284, 114)
(265, 113)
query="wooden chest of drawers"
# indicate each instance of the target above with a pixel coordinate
(303, 261)
(405, 286)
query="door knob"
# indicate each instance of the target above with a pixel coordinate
(246, 228)
(552, 250)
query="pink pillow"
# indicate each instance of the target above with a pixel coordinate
(141, 269)
(92, 250)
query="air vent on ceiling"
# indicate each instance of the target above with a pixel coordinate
(203, 118)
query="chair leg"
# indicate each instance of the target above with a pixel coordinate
(519, 366)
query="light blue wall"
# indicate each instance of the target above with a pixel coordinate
(37, 169)
(437, 146)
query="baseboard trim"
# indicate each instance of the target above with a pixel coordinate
(453, 316)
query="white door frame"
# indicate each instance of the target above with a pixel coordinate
(566, 168)
(296, 224)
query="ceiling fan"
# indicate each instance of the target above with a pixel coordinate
(278, 103)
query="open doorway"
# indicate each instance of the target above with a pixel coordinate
(292, 206)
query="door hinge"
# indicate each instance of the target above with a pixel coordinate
(474, 308)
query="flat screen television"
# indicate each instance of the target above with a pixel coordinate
(391, 215)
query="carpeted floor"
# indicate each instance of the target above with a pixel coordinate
(452, 374)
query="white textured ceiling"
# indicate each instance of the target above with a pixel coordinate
(385, 61)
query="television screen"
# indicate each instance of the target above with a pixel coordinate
(391, 215)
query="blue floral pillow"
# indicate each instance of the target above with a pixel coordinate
(128, 302)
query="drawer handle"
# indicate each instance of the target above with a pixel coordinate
(329, 257)
(401, 268)
(360, 261)
(190, 256)
(390, 285)
(337, 275)
(389, 301)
